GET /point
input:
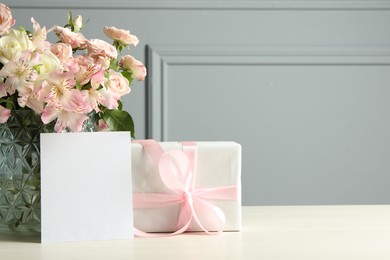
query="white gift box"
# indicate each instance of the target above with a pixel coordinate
(218, 165)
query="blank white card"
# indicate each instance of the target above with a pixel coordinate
(86, 187)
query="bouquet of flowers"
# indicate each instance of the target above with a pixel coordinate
(69, 81)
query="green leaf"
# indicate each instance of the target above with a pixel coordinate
(119, 121)
(120, 105)
(114, 65)
(8, 103)
(128, 75)
(70, 19)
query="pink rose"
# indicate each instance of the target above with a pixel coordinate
(6, 20)
(117, 83)
(85, 69)
(62, 51)
(120, 35)
(97, 78)
(76, 40)
(81, 61)
(101, 48)
(137, 68)
(104, 62)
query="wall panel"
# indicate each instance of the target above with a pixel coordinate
(302, 85)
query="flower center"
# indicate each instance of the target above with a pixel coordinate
(24, 71)
(59, 90)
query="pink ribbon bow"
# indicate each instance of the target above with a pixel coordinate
(177, 170)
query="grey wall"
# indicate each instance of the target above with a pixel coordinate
(304, 86)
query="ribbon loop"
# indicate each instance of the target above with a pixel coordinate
(174, 170)
(177, 170)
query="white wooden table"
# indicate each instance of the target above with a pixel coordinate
(269, 232)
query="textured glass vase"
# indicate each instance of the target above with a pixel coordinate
(20, 194)
(20, 171)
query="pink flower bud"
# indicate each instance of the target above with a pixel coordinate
(137, 68)
(120, 35)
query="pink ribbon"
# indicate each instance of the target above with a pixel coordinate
(177, 170)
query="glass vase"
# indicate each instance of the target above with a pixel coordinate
(20, 198)
(20, 207)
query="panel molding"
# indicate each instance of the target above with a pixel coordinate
(208, 4)
(160, 57)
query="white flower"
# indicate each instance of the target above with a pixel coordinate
(13, 42)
